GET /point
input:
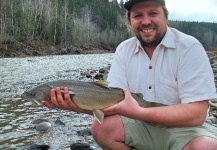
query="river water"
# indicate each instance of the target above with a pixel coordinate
(17, 115)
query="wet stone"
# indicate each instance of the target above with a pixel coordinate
(59, 122)
(99, 76)
(88, 76)
(38, 147)
(44, 126)
(80, 146)
(37, 121)
(84, 73)
(84, 132)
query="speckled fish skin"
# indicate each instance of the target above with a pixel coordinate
(86, 95)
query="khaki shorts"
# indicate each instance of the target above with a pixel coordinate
(145, 136)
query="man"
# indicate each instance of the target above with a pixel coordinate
(168, 67)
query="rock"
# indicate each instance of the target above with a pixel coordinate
(214, 114)
(37, 121)
(212, 61)
(213, 103)
(93, 71)
(84, 73)
(102, 70)
(212, 120)
(214, 70)
(43, 126)
(38, 147)
(84, 132)
(59, 122)
(99, 76)
(80, 146)
(88, 76)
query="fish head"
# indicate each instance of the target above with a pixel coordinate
(37, 94)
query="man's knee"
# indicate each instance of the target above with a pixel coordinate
(96, 130)
(201, 143)
(109, 131)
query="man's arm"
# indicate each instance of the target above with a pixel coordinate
(180, 115)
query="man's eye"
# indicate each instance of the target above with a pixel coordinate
(137, 16)
(153, 14)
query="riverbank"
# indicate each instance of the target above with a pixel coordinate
(57, 50)
(11, 50)
(9, 47)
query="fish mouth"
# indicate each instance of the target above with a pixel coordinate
(36, 102)
(33, 100)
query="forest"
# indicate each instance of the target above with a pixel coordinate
(40, 27)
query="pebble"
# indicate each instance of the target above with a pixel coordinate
(59, 122)
(38, 147)
(80, 146)
(37, 121)
(84, 132)
(43, 126)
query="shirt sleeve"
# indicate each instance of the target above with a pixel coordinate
(117, 76)
(195, 75)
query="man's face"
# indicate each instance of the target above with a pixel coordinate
(148, 22)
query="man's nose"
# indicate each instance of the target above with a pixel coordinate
(146, 20)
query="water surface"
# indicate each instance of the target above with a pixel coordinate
(17, 115)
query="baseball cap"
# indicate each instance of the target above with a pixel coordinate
(130, 3)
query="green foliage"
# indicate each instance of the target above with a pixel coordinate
(64, 22)
(80, 22)
(205, 32)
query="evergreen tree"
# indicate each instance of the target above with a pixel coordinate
(79, 23)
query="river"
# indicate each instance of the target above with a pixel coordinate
(17, 115)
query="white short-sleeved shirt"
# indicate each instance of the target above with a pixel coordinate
(178, 72)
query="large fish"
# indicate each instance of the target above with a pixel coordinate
(86, 95)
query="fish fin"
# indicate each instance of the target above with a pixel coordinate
(140, 95)
(102, 83)
(52, 87)
(99, 115)
(35, 102)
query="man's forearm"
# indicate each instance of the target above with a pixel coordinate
(181, 115)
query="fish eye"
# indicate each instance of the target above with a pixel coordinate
(32, 94)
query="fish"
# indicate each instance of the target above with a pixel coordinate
(92, 96)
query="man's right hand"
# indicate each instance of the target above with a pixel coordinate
(57, 100)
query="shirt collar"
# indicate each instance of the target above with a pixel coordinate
(139, 46)
(167, 41)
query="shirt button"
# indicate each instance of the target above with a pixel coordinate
(150, 67)
(150, 87)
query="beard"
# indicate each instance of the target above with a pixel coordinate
(151, 42)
